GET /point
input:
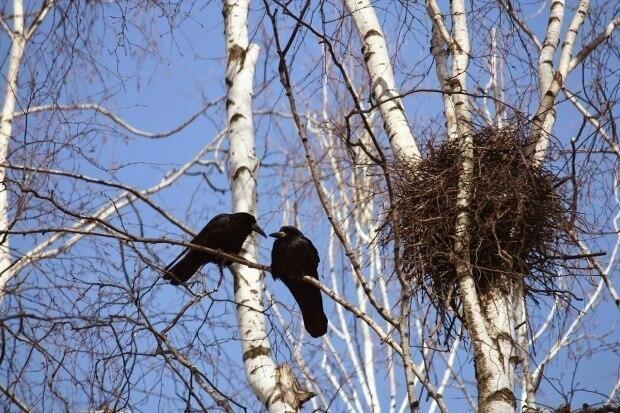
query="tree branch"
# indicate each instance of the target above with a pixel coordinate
(115, 118)
(594, 43)
(83, 227)
(593, 121)
(45, 8)
(12, 397)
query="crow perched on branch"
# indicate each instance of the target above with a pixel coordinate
(225, 232)
(292, 257)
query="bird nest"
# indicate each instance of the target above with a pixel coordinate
(517, 218)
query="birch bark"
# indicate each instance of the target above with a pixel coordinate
(274, 385)
(384, 88)
(18, 45)
(551, 83)
(488, 317)
(439, 50)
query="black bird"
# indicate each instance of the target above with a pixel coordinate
(292, 257)
(225, 232)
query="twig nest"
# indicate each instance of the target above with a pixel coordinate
(517, 218)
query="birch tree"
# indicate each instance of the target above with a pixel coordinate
(274, 385)
(20, 33)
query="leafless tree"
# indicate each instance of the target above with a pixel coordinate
(319, 115)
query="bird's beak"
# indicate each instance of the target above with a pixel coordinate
(258, 229)
(278, 234)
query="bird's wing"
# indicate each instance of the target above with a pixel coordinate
(216, 224)
(293, 260)
(313, 248)
(302, 258)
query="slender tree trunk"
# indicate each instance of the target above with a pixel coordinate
(439, 50)
(550, 83)
(274, 385)
(488, 317)
(496, 374)
(18, 45)
(402, 141)
(384, 88)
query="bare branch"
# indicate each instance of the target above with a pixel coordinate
(435, 12)
(285, 80)
(418, 372)
(45, 8)
(594, 43)
(590, 257)
(593, 120)
(84, 227)
(115, 118)
(136, 192)
(507, 5)
(12, 397)
(592, 301)
(6, 28)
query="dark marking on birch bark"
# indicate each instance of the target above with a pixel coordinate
(273, 397)
(385, 91)
(236, 52)
(235, 281)
(455, 85)
(371, 32)
(254, 352)
(239, 170)
(291, 391)
(515, 360)
(236, 117)
(503, 395)
(555, 4)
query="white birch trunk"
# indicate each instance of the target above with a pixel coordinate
(274, 385)
(496, 376)
(549, 46)
(528, 388)
(382, 81)
(489, 318)
(545, 116)
(551, 83)
(459, 69)
(439, 49)
(18, 45)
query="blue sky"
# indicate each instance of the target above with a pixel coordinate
(159, 89)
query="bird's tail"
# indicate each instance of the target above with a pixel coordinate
(310, 303)
(184, 269)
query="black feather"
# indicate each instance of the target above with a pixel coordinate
(292, 257)
(225, 232)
